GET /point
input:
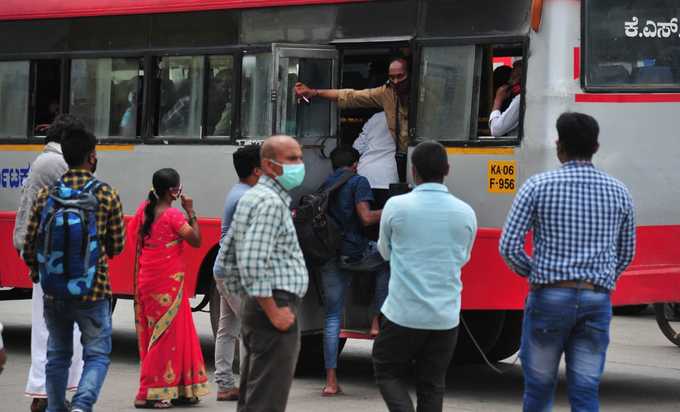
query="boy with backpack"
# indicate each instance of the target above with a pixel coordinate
(76, 224)
(349, 206)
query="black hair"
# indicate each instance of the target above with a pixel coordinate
(76, 145)
(163, 180)
(577, 134)
(61, 124)
(246, 159)
(344, 156)
(430, 161)
(501, 76)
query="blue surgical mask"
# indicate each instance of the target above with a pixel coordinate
(292, 176)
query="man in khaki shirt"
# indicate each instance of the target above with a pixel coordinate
(391, 97)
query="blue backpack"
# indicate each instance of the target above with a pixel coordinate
(68, 246)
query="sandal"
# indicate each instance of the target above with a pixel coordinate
(152, 404)
(183, 401)
(327, 394)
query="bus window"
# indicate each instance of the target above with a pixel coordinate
(14, 98)
(496, 73)
(220, 95)
(256, 99)
(447, 84)
(46, 104)
(632, 45)
(181, 96)
(106, 95)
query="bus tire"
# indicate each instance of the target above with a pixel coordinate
(486, 327)
(668, 319)
(510, 337)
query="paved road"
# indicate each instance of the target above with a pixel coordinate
(642, 372)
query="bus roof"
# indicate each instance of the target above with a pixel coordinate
(49, 9)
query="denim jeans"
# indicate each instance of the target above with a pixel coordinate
(570, 321)
(394, 350)
(94, 321)
(335, 283)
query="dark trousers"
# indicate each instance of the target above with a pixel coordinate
(268, 358)
(393, 352)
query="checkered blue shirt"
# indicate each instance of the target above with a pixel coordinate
(583, 225)
(260, 252)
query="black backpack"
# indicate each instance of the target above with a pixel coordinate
(318, 233)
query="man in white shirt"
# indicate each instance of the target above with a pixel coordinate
(506, 122)
(377, 148)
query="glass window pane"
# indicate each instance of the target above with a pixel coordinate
(256, 102)
(220, 92)
(13, 98)
(445, 97)
(106, 95)
(304, 119)
(474, 17)
(633, 44)
(181, 96)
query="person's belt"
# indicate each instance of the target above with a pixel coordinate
(570, 284)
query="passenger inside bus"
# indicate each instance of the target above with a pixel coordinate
(48, 94)
(219, 110)
(505, 122)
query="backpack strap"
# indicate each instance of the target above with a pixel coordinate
(341, 181)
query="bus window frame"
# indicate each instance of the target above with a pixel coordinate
(473, 140)
(585, 61)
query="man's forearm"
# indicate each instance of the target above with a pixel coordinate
(328, 94)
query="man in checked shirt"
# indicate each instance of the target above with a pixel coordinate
(262, 261)
(583, 225)
(92, 312)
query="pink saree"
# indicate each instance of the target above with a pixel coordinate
(171, 359)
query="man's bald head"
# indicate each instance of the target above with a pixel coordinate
(273, 146)
(277, 151)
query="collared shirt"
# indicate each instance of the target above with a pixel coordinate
(261, 252)
(505, 123)
(343, 209)
(583, 225)
(110, 230)
(377, 148)
(46, 169)
(230, 203)
(427, 236)
(383, 97)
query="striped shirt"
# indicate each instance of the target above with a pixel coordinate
(260, 252)
(583, 224)
(110, 230)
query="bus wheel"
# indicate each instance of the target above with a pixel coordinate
(509, 338)
(485, 326)
(668, 319)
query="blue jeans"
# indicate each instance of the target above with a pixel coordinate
(94, 321)
(335, 283)
(570, 321)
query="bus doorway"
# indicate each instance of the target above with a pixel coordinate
(364, 66)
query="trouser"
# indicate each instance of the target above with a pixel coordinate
(335, 283)
(570, 321)
(35, 386)
(94, 320)
(269, 356)
(228, 329)
(393, 352)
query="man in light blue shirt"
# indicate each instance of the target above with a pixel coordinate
(247, 165)
(427, 236)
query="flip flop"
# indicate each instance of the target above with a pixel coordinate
(326, 394)
(182, 401)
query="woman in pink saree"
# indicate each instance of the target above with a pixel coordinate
(172, 367)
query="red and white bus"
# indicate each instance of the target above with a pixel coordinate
(183, 83)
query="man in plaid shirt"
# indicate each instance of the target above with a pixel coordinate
(92, 312)
(261, 260)
(583, 225)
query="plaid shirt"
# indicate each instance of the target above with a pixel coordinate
(260, 252)
(583, 225)
(110, 230)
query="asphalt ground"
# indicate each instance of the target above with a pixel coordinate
(642, 372)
